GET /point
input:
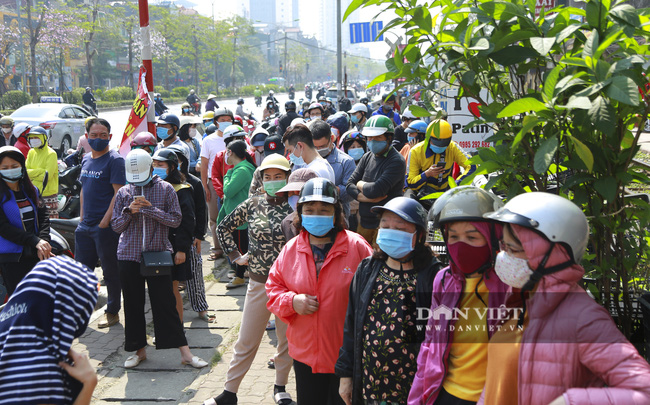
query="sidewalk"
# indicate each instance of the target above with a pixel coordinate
(161, 378)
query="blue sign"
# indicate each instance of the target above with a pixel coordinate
(51, 99)
(365, 32)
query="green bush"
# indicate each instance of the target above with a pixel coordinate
(15, 99)
(164, 93)
(110, 104)
(45, 94)
(112, 95)
(180, 92)
(74, 97)
(126, 93)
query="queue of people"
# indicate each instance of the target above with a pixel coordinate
(327, 230)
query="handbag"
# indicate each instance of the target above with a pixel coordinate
(154, 263)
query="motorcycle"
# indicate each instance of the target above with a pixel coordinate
(70, 186)
(91, 109)
(258, 101)
(292, 94)
(249, 124)
(196, 108)
(308, 93)
(270, 124)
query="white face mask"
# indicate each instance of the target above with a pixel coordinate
(35, 143)
(6, 130)
(192, 132)
(512, 270)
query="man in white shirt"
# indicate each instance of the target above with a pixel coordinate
(299, 143)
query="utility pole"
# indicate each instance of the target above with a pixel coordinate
(339, 51)
(284, 72)
(234, 57)
(22, 45)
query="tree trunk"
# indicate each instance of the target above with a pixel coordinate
(166, 71)
(89, 64)
(61, 77)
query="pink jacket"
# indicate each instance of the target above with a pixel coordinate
(315, 339)
(571, 346)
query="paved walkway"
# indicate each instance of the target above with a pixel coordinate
(161, 378)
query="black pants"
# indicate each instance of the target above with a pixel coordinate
(13, 273)
(167, 323)
(316, 389)
(445, 398)
(241, 239)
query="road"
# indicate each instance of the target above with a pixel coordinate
(118, 118)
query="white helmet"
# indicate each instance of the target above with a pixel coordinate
(232, 131)
(21, 129)
(555, 217)
(138, 166)
(408, 114)
(359, 107)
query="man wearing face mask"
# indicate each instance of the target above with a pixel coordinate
(7, 126)
(316, 111)
(299, 142)
(102, 175)
(167, 127)
(379, 175)
(358, 115)
(42, 159)
(342, 164)
(431, 161)
(387, 109)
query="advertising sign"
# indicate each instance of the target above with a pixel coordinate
(462, 111)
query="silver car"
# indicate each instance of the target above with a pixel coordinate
(64, 123)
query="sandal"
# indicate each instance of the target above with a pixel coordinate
(271, 364)
(209, 318)
(196, 362)
(282, 398)
(214, 256)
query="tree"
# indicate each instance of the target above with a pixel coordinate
(90, 15)
(9, 37)
(561, 90)
(35, 30)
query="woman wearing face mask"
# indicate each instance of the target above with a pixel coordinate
(235, 191)
(263, 214)
(452, 359)
(165, 166)
(308, 289)
(187, 134)
(185, 110)
(562, 347)
(24, 221)
(147, 205)
(42, 159)
(354, 144)
(297, 179)
(381, 339)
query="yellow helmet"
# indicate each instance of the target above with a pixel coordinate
(439, 131)
(275, 161)
(209, 115)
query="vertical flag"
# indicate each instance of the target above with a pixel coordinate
(138, 117)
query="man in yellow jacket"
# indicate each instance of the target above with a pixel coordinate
(42, 159)
(431, 162)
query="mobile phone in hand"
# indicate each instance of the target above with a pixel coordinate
(138, 198)
(440, 164)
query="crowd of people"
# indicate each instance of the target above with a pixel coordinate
(322, 219)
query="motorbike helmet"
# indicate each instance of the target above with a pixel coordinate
(418, 126)
(144, 139)
(220, 112)
(271, 92)
(208, 117)
(364, 100)
(14, 153)
(359, 107)
(240, 101)
(408, 114)
(21, 129)
(378, 125)
(171, 119)
(185, 105)
(88, 89)
(210, 129)
(7, 121)
(233, 131)
(316, 105)
(181, 154)
(555, 217)
(270, 105)
(166, 155)
(319, 189)
(290, 105)
(192, 91)
(259, 136)
(439, 132)
(340, 122)
(238, 120)
(350, 137)
(406, 208)
(275, 161)
(138, 166)
(305, 104)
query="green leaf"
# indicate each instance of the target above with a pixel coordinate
(595, 12)
(549, 83)
(567, 32)
(419, 111)
(602, 115)
(626, 13)
(628, 140)
(469, 78)
(584, 153)
(544, 155)
(624, 89)
(390, 65)
(380, 79)
(530, 121)
(512, 55)
(355, 4)
(480, 45)
(591, 45)
(609, 40)
(542, 45)
(606, 187)
(582, 103)
(520, 106)
(574, 62)
(513, 37)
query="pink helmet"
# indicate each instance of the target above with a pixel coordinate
(144, 139)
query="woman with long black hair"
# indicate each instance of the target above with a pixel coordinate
(24, 222)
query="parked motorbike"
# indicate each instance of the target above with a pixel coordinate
(65, 228)
(70, 186)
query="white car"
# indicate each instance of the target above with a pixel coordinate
(351, 95)
(63, 122)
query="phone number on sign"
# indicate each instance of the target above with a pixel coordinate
(474, 144)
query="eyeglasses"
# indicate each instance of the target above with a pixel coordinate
(510, 249)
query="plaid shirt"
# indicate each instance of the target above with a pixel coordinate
(164, 213)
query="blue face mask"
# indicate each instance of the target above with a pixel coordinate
(186, 110)
(438, 149)
(97, 144)
(293, 201)
(318, 225)
(162, 133)
(12, 175)
(354, 119)
(160, 172)
(224, 125)
(356, 153)
(296, 160)
(377, 147)
(396, 244)
(412, 138)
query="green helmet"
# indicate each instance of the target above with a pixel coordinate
(378, 125)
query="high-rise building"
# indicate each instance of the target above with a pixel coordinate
(279, 13)
(262, 12)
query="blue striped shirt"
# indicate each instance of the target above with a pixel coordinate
(49, 309)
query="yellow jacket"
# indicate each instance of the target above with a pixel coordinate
(38, 162)
(422, 157)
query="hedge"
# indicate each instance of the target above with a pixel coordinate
(15, 99)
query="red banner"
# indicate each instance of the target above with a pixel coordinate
(138, 117)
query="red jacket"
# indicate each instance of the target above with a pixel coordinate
(22, 145)
(315, 339)
(220, 168)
